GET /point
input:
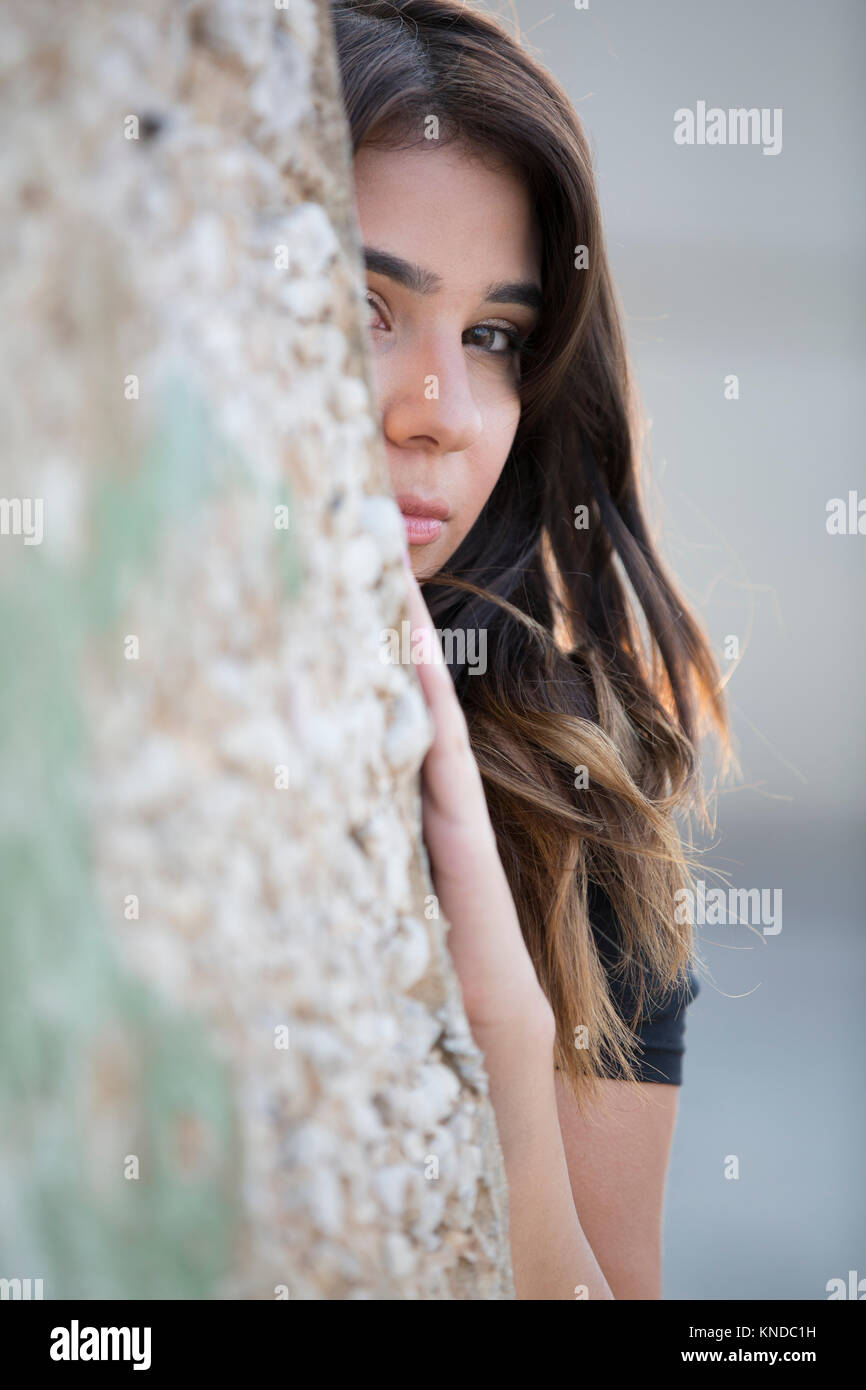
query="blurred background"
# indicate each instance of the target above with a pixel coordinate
(730, 261)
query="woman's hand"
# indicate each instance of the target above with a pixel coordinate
(500, 988)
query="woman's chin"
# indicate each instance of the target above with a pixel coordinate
(427, 560)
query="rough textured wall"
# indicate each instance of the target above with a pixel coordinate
(233, 1056)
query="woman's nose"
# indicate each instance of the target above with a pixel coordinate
(427, 395)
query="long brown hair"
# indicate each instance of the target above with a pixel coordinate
(594, 661)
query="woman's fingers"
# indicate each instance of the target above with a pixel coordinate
(451, 773)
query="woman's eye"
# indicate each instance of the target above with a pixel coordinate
(490, 337)
(375, 311)
(508, 339)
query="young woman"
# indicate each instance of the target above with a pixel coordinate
(551, 787)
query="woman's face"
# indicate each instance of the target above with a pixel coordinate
(453, 257)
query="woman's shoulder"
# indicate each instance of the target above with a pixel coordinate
(660, 1032)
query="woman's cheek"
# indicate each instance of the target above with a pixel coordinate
(484, 474)
(500, 429)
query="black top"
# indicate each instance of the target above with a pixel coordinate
(661, 1028)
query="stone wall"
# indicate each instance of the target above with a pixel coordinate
(234, 1061)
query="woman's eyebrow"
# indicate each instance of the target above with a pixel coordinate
(420, 281)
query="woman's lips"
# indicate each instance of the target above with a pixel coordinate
(422, 517)
(421, 530)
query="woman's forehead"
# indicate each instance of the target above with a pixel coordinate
(448, 210)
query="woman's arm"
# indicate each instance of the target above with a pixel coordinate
(507, 1011)
(617, 1155)
(550, 1253)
